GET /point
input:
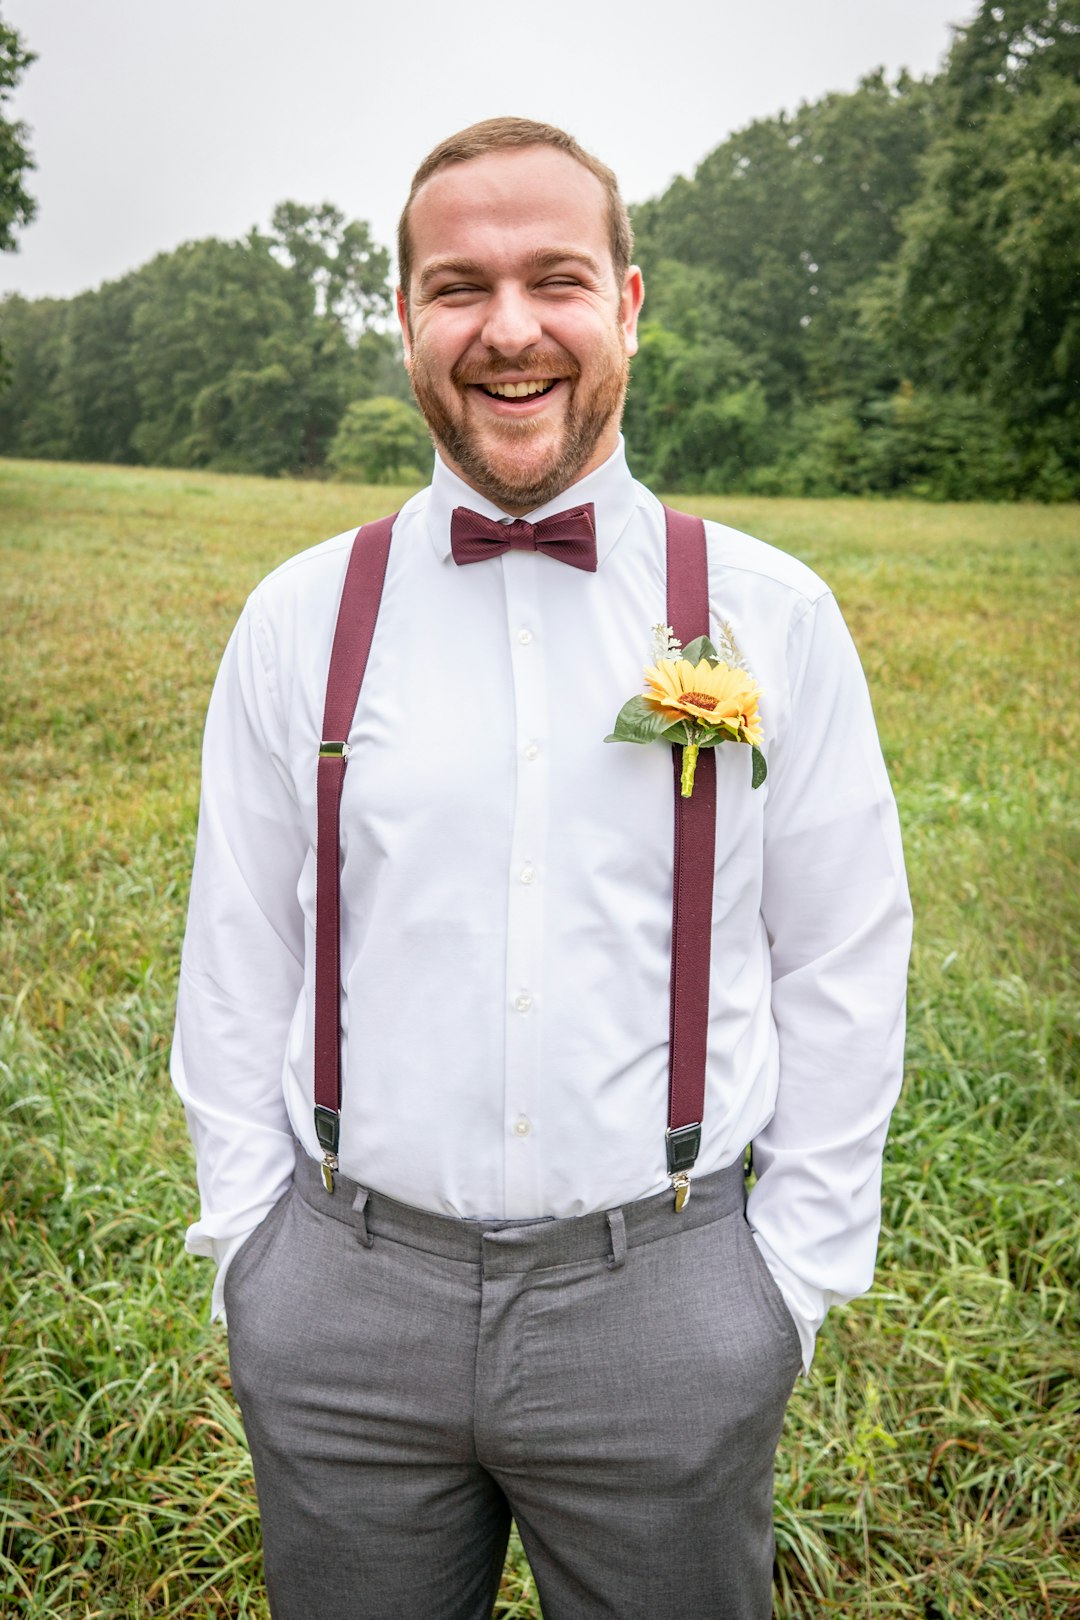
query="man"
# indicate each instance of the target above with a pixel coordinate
(492, 1304)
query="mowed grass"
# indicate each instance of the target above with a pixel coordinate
(930, 1464)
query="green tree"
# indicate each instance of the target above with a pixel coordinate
(236, 355)
(17, 207)
(33, 421)
(763, 266)
(380, 441)
(246, 353)
(987, 289)
(205, 312)
(96, 390)
(784, 224)
(253, 419)
(335, 259)
(695, 415)
(945, 446)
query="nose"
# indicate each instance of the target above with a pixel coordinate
(511, 324)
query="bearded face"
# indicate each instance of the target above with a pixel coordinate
(518, 335)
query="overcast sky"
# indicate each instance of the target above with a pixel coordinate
(155, 123)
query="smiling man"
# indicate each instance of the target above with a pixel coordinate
(473, 1036)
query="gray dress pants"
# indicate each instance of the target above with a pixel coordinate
(616, 1383)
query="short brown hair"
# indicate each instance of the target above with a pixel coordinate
(504, 135)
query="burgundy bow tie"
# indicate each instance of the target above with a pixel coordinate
(570, 537)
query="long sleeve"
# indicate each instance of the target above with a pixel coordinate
(242, 969)
(838, 919)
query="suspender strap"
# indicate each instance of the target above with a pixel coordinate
(695, 842)
(692, 890)
(357, 613)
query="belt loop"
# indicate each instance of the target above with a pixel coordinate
(617, 1237)
(360, 1206)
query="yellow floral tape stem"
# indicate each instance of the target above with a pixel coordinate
(689, 767)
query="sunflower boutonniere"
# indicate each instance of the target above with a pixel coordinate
(695, 698)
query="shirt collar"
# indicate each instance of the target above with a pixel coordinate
(610, 488)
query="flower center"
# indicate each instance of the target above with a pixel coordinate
(701, 700)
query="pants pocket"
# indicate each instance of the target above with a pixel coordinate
(257, 1244)
(770, 1289)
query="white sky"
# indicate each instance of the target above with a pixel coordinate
(153, 123)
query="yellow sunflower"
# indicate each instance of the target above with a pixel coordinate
(713, 695)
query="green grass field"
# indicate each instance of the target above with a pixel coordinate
(931, 1464)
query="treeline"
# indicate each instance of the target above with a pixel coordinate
(877, 293)
(882, 292)
(240, 356)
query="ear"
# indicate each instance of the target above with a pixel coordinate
(403, 321)
(633, 294)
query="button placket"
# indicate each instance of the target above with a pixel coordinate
(525, 898)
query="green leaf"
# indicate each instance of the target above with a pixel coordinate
(638, 723)
(759, 769)
(701, 648)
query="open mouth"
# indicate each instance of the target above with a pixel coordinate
(520, 390)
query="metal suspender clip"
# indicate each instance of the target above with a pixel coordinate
(334, 750)
(683, 1144)
(328, 1130)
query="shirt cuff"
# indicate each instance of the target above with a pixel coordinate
(222, 1251)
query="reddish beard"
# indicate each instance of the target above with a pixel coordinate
(587, 416)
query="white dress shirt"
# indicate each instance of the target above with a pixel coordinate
(506, 897)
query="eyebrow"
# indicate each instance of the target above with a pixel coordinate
(542, 259)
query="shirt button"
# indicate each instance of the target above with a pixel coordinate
(522, 1126)
(532, 751)
(524, 636)
(528, 874)
(522, 1003)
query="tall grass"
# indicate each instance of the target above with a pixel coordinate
(930, 1464)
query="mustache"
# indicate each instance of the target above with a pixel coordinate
(539, 362)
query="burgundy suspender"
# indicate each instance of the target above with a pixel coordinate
(357, 613)
(695, 835)
(692, 881)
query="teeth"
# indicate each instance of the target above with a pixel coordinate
(519, 390)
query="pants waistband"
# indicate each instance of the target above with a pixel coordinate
(522, 1245)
